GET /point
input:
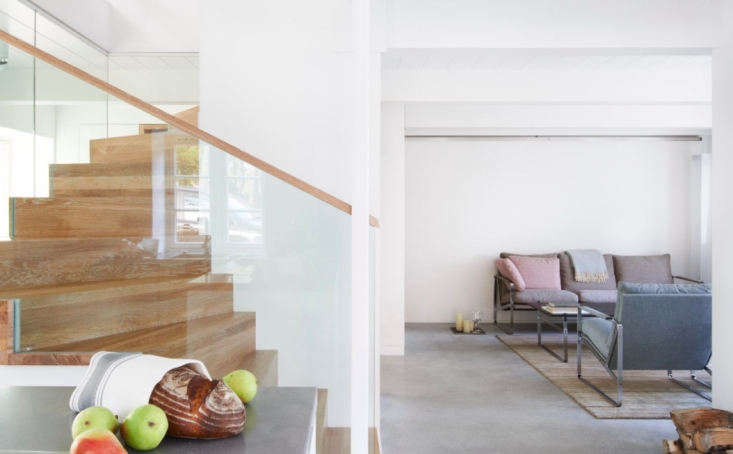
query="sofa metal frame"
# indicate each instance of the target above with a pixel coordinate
(499, 282)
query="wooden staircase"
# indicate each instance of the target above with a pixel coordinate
(89, 269)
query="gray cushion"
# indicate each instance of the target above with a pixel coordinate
(597, 296)
(506, 255)
(664, 289)
(545, 296)
(600, 333)
(567, 276)
(643, 268)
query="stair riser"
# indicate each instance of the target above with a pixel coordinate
(43, 263)
(144, 148)
(83, 217)
(102, 180)
(50, 320)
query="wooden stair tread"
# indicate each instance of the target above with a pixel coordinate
(221, 342)
(110, 284)
(49, 263)
(80, 217)
(262, 363)
(71, 170)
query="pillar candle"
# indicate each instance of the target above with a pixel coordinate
(467, 326)
(459, 322)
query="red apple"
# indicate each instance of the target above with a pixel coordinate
(97, 441)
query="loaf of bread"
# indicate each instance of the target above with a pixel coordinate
(198, 407)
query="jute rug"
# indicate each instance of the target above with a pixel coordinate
(647, 394)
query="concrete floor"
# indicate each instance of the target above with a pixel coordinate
(471, 394)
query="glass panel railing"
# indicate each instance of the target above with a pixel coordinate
(17, 127)
(17, 19)
(167, 80)
(162, 243)
(62, 43)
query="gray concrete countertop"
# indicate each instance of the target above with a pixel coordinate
(279, 420)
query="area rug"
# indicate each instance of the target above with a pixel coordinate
(647, 394)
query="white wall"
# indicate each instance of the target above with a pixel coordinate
(469, 199)
(286, 95)
(392, 232)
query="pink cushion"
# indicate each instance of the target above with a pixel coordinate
(538, 272)
(509, 270)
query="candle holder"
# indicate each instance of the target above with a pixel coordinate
(476, 328)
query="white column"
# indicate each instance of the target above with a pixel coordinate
(361, 13)
(722, 190)
(392, 232)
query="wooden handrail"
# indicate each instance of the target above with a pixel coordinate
(180, 124)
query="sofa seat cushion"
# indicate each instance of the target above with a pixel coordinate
(567, 276)
(544, 296)
(597, 296)
(599, 332)
(654, 269)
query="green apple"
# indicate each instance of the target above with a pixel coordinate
(91, 418)
(144, 428)
(243, 383)
(96, 440)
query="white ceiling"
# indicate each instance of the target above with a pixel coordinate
(546, 59)
(132, 25)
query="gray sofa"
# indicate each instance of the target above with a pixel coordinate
(654, 327)
(600, 296)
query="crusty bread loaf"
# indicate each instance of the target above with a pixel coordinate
(197, 407)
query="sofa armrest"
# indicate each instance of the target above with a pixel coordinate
(501, 278)
(688, 279)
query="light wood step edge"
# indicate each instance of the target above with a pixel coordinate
(338, 441)
(263, 364)
(321, 420)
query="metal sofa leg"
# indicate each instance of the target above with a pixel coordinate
(620, 370)
(702, 394)
(497, 296)
(699, 380)
(511, 314)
